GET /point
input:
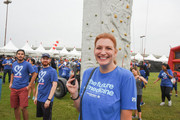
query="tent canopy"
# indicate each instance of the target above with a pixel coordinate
(10, 47)
(163, 59)
(64, 52)
(138, 57)
(150, 57)
(27, 48)
(40, 49)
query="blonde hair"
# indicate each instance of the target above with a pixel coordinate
(108, 36)
(136, 69)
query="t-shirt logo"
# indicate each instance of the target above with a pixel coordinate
(18, 69)
(164, 75)
(41, 76)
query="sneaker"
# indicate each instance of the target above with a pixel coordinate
(162, 103)
(134, 116)
(139, 118)
(143, 103)
(33, 98)
(176, 95)
(169, 103)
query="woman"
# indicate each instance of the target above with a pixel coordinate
(165, 75)
(139, 80)
(111, 91)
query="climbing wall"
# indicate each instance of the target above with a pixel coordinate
(111, 16)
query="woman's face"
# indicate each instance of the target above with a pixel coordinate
(134, 72)
(163, 67)
(104, 52)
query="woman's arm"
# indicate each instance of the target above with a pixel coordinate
(126, 114)
(73, 90)
(156, 80)
(143, 79)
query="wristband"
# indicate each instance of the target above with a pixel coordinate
(75, 98)
(49, 99)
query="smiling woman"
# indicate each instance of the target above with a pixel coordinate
(105, 89)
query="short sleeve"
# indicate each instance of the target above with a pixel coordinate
(54, 77)
(30, 68)
(128, 93)
(159, 76)
(12, 71)
(3, 62)
(36, 69)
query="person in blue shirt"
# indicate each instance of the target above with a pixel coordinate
(20, 85)
(111, 92)
(165, 75)
(47, 83)
(2, 58)
(7, 63)
(60, 67)
(66, 72)
(32, 61)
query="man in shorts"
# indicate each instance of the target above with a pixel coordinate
(19, 85)
(47, 83)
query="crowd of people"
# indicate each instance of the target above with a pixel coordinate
(23, 72)
(107, 92)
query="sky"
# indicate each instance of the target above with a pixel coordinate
(49, 21)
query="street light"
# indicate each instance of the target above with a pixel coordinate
(6, 2)
(143, 49)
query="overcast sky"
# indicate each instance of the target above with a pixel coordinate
(47, 21)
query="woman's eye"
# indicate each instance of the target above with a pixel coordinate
(109, 48)
(98, 48)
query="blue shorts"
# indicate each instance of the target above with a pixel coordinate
(174, 86)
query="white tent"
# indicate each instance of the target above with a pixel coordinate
(74, 53)
(64, 52)
(163, 59)
(53, 52)
(10, 48)
(27, 48)
(150, 57)
(40, 50)
(138, 57)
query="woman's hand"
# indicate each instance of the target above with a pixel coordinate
(73, 89)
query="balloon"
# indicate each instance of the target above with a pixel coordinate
(54, 48)
(55, 45)
(57, 42)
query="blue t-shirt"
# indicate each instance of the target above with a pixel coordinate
(78, 66)
(35, 68)
(165, 80)
(7, 67)
(60, 69)
(107, 94)
(66, 72)
(45, 78)
(21, 73)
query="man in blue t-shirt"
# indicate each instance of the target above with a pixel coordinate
(7, 63)
(47, 83)
(19, 84)
(66, 72)
(60, 67)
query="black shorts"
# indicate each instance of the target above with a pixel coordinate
(42, 112)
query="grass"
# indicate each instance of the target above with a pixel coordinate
(63, 109)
